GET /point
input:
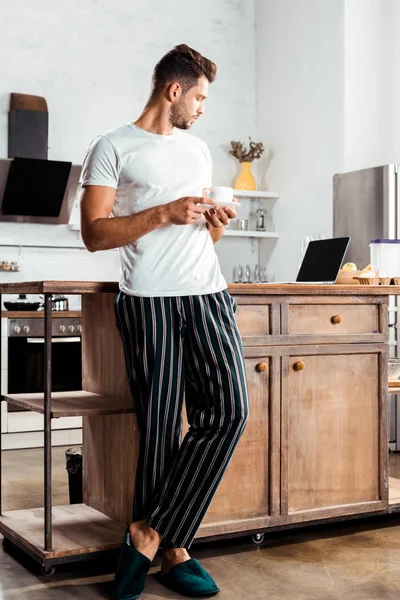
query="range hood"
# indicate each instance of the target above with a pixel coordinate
(37, 191)
(32, 188)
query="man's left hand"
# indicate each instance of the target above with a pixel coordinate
(220, 216)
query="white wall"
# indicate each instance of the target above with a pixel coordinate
(395, 70)
(300, 107)
(370, 58)
(93, 60)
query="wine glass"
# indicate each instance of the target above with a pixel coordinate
(304, 243)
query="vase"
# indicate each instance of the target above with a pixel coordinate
(245, 179)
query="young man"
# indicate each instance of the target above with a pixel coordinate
(174, 315)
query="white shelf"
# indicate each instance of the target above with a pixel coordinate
(249, 233)
(254, 194)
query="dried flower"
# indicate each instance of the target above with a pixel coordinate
(240, 151)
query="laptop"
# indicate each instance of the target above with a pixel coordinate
(322, 261)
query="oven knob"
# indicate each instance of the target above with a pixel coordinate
(79, 328)
(17, 329)
(71, 328)
(27, 329)
(62, 328)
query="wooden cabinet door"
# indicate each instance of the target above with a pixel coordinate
(243, 499)
(334, 459)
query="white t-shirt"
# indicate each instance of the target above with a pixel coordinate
(147, 170)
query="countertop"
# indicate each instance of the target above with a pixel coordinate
(58, 287)
(273, 289)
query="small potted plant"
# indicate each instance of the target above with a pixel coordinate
(246, 180)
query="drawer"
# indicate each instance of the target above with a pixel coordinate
(333, 319)
(254, 319)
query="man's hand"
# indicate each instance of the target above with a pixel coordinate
(187, 210)
(220, 216)
(217, 218)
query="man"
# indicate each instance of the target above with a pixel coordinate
(174, 315)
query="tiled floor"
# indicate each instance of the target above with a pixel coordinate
(355, 561)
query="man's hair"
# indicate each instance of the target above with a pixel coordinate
(182, 64)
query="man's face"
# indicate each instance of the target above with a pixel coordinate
(190, 106)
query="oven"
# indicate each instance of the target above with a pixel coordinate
(22, 373)
(25, 355)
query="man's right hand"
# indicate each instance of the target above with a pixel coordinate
(187, 210)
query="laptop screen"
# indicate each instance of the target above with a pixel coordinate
(323, 259)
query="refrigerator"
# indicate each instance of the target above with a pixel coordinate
(366, 206)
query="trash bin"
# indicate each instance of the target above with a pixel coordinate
(73, 458)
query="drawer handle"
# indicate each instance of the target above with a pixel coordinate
(261, 366)
(299, 365)
(336, 319)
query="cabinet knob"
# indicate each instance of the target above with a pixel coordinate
(299, 365)
(336, 319)
(261, 366)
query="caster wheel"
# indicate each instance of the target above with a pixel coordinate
(48, 571)
(257, 538)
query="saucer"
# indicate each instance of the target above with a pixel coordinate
(220, 204)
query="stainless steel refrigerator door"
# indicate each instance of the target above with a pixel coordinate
(364, 207)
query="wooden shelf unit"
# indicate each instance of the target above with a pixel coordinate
(77, 529)
(56, 534)
(71, 404)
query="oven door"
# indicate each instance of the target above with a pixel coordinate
(24, 429)
(25, 365)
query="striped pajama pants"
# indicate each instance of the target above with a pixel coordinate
(175, 347)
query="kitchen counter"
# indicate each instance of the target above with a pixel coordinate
(316, 444)
(98, 287)
(316, 360)
(58, 287)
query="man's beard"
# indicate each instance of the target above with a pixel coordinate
(180, 116)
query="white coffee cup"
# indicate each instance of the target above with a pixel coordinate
(219, 194)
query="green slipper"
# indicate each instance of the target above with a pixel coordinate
(132, 569)
(188, 578)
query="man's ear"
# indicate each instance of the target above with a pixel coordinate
(175, 91)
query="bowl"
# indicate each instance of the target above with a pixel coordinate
(393, 369)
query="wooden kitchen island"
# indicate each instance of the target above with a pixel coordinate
(316, 443)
